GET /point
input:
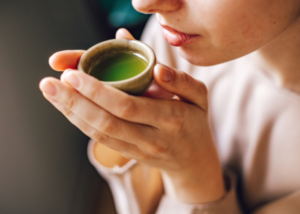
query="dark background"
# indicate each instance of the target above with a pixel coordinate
(43, 159)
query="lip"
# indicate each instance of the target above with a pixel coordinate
(177, 38)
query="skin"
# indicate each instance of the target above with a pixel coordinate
(173, 134)
(150, 126)
(229, 28)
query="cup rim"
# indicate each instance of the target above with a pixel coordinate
(151, 63)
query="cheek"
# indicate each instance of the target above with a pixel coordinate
(228, 24)
(233, 28)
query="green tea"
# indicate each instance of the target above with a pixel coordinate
(119, 67)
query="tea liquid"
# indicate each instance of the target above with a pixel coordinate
(119, 67)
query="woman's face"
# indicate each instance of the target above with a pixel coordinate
(209, 32)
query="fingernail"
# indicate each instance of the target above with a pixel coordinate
(49, 88)
(73, 80)
(166, 74)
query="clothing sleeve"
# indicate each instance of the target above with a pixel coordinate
(119, 181)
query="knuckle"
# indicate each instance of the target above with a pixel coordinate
(99, 137)
(94, 93)
(102, 138)
(127, 108)
(201, 89)
(159, 150)
(177, 123)
(68, 113)
(202, 101)
(173, 123)
(70, 102)
(186, 81)
(176, 118)
(107, 125)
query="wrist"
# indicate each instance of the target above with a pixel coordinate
(201, 182)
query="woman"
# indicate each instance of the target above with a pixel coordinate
(248, 120)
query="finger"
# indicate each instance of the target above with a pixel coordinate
(122, 33)
(157, 92)
(94, 134)
(141, 110)
(63, 60)
(95, 116)
(182, 85)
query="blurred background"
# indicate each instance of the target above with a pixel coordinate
(43, 159)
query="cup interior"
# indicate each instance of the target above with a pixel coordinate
(109, 48)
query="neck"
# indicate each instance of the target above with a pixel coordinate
(281, 58)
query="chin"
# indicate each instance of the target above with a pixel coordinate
(206, 57)
(196, 58)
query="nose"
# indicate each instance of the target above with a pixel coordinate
(156, 6)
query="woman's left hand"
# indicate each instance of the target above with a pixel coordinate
(171, 134)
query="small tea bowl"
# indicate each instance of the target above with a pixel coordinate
(136, 85)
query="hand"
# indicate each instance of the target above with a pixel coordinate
(148, 189)
(173, 135)
(69, 59)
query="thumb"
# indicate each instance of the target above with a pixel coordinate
(122, 33)
(181, 84)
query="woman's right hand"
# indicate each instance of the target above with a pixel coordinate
(148, 191)
(68, 59)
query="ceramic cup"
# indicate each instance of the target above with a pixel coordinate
(136, 85)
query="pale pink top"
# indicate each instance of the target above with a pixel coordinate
(256, 125)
